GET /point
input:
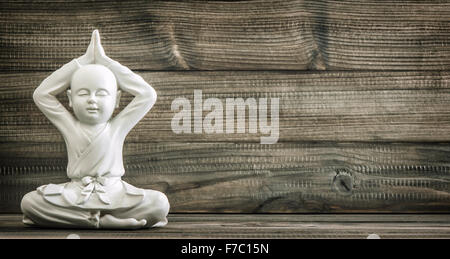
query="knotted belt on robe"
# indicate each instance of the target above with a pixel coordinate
(92, 194)
(93, 185)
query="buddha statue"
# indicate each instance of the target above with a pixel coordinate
(96, 196)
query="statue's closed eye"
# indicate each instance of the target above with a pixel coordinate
(102, 93)
(82, 92)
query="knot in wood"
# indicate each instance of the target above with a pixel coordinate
(343, 182)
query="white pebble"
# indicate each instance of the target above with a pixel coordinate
(373, 236)
(73, 236)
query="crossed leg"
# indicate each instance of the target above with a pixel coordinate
(37, 211)
(151, 212)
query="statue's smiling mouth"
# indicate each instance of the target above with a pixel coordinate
(92, 109)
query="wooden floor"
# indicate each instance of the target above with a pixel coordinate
(274, 226)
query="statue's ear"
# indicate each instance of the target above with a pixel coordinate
(119, 94)
(69, 95)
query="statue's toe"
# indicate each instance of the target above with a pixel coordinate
(27, 221)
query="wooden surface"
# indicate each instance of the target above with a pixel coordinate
(252, 178)
(327, 106)
(364, 100)
(198, 226)
(234, 35)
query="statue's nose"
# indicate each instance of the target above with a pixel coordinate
(92, 99)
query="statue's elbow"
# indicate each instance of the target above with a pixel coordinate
(37, 96)
(154, 94)
(150, 94)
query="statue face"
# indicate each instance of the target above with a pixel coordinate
(93, 94)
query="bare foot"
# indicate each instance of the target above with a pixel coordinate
(109, 221)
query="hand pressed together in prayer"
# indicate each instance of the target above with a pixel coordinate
(95, 54)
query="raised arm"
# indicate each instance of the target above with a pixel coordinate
(45, 95)
(144, 95)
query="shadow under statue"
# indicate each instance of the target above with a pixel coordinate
(96, 197)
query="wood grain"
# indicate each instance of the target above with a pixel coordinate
(325, 106)
(254, 178)
(200, 226)
(367, 141)
(235, 35)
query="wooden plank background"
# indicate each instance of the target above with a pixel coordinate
(363, 86)
(211, 35)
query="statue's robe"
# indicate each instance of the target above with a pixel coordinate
(95, 171)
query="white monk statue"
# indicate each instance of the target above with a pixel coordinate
(96, 196)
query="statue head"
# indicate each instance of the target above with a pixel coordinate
(93, 94)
